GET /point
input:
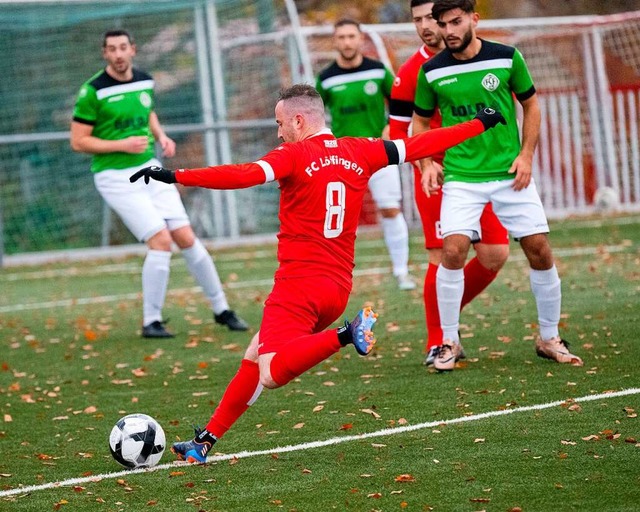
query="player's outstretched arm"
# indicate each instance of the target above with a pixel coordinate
(221, 177)
(435, 141)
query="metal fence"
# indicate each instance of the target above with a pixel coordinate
(218, 67)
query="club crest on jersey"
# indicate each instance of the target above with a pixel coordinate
(490, 82)
(145, 99)
(332, 143)
(371, 88)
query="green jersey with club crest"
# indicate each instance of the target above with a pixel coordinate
(117, 110)
(356, 97)
(459, 88)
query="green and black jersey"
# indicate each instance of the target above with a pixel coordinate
(356, 97)
(117, 110)
(459, 89)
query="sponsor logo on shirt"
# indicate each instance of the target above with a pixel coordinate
(331, 143)
(448, 81)
(145, 99)
(490, 82)
(115, 98)
(371, 88)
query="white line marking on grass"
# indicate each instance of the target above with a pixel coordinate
(575, 251)
(319, 444)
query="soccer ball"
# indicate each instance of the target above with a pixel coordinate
(606, 199)
(137, 441)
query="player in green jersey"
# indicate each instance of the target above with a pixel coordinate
(114, 120)
(472, 73)
(355, 90)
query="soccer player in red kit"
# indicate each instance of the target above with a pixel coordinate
(322, 184)
(493, 250)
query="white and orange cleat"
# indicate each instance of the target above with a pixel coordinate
(557, 349)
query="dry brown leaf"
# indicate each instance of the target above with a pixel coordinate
(318, 408)
(375, 495)
(139, 372)
(372, 412)
(406, 477)
(346, 426)
(298, 425)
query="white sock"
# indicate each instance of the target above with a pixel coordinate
(203, 270)
(155, 278)
(450, 288)
(396, 236)
(545, 285)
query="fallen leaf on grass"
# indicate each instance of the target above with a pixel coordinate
(406, 477)
(139, 372)
(346, 426)
(298, 425)
(372, 412)
(375, 495)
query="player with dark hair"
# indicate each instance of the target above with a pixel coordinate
(322, 181)
(493, 250)
(473, 73)
(355, 90)
(114, 119)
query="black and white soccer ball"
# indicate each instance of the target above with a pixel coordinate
(606, 199)
(137, 441)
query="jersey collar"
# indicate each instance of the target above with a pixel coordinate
(324, 131)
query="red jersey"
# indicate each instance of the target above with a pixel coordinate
(322, 183)
(403, 93)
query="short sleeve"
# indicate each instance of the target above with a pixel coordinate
(521, 81)
(86, 106)
(388, 82)
(425, 101)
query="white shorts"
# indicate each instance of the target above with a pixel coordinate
(520, 212)
(145, 209)
(385, 187)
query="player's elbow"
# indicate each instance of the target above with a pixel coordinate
(75, 145)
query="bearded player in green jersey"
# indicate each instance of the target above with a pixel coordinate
(472, 73)
(355, 89)
(114, 120)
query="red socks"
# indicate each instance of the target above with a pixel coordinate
(476, 279)
(241, 392)
(303, 353)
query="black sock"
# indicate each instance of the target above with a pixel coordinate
(344, 334)
(205, 437)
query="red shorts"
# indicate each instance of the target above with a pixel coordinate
(297, 307)
(493, 232)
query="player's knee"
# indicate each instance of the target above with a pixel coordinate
(268, 382)
(389, 213)
(161, 241)
(538, 251)
(494, 257)
(454, 252)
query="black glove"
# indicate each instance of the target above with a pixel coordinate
(156, 173)
(490, 117)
